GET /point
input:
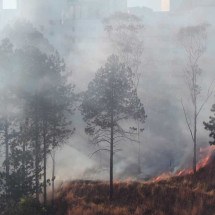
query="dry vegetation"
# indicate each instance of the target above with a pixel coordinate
(181, 195)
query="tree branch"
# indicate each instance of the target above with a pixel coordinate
(99, 150)
(100, 141)
(209, 94)
(186, 118)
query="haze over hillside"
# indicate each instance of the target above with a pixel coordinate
(78, 34)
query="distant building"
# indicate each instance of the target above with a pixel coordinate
(41, 11)
(78, 22)
(141, 12)
(65, 21)
(93, 9)
(44, 12)
(7, 14)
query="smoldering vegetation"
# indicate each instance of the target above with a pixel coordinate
(163, 197)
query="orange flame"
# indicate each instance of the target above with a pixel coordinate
(205, 155)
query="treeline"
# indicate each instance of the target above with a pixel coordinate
(36, 108)
(37, 104)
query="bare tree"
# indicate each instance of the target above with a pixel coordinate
(193, 40)
(125, 34)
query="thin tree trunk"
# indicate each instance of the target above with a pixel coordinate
(195, 118)
(37, 149)
(44, 164)
(195, 140)
(7, 165)
(53, 180)
(111, 158)
(138, 137)
(23, 159)
(53, 169)
(37, 164)
(111, 141)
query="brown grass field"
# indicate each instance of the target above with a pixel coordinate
(176, 195)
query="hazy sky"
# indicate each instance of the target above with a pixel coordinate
(154, 4)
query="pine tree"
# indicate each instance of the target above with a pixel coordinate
(210, 126)
(49, 104)
(110, 98)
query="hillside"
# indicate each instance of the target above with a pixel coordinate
(179, 195)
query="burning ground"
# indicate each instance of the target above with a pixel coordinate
(180, 194)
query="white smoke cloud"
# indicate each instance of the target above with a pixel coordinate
(165, 139)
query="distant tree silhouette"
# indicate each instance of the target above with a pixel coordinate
(48, 105)
(8, 101)
(35, 118)
(210, 126)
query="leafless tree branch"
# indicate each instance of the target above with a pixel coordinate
(187, 122)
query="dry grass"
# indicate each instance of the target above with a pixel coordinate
(184, 195)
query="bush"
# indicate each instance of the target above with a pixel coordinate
(26, 206)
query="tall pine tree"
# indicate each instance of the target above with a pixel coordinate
(111, 97)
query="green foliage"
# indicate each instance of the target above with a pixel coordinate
(210, 126)
(35, 116)
(26, 206)
(111, 92)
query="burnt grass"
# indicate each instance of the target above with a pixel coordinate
(182, 195)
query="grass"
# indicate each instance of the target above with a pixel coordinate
(181, 195)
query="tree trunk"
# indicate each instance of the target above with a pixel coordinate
(23, 159)
(44, 164)
(111, 158)
(195, 141)
(138, 137)
(195, 119)
(37, 165)
(53, 181)
(6, 138)
(37, 149)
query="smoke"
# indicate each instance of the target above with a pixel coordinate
(166, 143)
